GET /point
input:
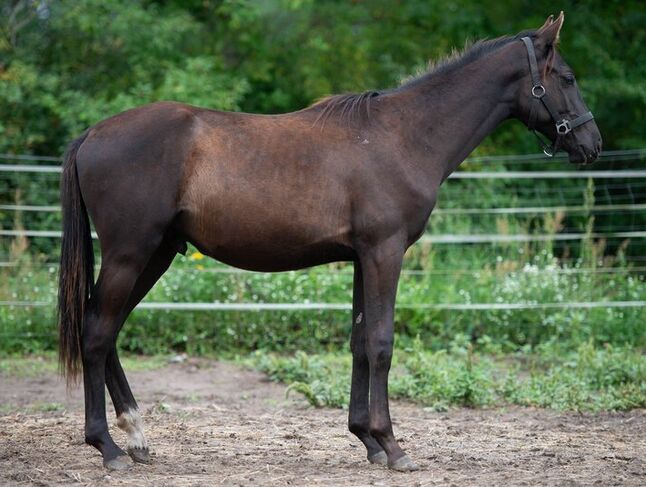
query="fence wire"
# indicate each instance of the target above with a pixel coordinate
(619, 193)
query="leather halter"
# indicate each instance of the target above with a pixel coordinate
(563, 125)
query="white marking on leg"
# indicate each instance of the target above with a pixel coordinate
(130, 421)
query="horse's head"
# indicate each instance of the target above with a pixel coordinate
(549, 100)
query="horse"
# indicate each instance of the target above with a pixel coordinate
(350, 178)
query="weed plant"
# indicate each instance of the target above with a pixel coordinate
(586, 379)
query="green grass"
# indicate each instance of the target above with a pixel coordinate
(29, 365)
(37, 407)
(46, 362)
(586, 379)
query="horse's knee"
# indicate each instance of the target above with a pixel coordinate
(380, 352)
(358, 344)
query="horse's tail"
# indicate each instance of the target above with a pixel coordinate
(76, 273)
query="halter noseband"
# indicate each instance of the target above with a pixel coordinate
(563, 125)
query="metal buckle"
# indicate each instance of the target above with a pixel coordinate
(538, 91)
(563, 127)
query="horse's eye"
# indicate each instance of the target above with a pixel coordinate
(569, 79)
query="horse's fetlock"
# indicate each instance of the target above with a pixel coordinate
(130, 421)
(96, 433)
(94, 439)
(358, 428)
(380, 430)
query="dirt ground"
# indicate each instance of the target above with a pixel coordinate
(213, 423)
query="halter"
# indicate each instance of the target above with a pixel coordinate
(563, 125)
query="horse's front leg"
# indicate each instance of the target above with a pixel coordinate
(358, 414)
(381, 266)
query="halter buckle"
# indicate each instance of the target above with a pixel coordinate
(538, 91)
(563, 127)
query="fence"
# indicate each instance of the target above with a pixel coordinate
(620, 198)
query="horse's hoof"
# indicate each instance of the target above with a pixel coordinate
(403, 464)
(140, 455)
(379, 458)
(121, 462)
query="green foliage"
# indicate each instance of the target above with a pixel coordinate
(501, 279)
(586, 379)
(445, 378)
(93, 58)
(322, 379)
(67, 64)
(31, 365)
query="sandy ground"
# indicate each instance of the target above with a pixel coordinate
(212, 423)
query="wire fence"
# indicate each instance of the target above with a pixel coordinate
(347, 306)
(581, 174)
(622, 192)
(607, 155)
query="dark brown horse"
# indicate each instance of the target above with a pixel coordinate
(352, 178)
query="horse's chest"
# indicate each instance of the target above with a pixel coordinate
(416, 218)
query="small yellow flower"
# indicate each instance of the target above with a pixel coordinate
(196, 255)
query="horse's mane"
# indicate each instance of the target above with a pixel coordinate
(348, 106)
(356, 106)
(471, 52)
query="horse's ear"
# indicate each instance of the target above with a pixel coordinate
(549, 20)
(549, 33)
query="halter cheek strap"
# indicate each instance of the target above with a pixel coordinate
(539, 95)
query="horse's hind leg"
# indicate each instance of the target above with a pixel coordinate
(358, 414)
(102, 321)
(125, 405)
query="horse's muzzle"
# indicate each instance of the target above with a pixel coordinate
(585, 153)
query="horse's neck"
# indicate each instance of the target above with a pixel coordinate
(449, 114)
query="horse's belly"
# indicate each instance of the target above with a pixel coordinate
(275, 258)
(267, 242)
(266, 216)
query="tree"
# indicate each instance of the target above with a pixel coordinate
(67, 64)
